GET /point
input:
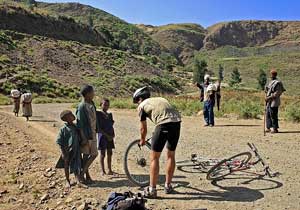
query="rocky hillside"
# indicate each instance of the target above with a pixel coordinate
(19, 19)
(120, 34)
(71, 44)
(180, 39)
(251, 33)
(31, 61)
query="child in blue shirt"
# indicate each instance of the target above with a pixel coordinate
(69, 142)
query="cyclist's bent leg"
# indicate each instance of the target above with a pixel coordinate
(170, 166)
(173, 138)
(158, 142)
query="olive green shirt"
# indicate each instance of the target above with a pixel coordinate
(158, 110)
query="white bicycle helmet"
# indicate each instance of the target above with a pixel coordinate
(143, 93)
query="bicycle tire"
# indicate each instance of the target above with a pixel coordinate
(191, 168)
(211, 174)
(136, 179)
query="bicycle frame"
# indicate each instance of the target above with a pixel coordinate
(148, 144)
(246, 166)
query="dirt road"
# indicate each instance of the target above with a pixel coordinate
(28, 154)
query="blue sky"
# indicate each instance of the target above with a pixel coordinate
(204, 12)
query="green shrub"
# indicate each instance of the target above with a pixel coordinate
(4, 59)
(292, 112)
(4, 100)
(122, 103)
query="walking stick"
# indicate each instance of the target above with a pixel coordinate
(265, 110)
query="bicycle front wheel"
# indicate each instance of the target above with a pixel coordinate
(228, 166)
(136, 163)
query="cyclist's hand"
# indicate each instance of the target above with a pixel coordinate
(142, 142)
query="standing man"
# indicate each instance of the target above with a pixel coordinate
(87, 124)
(273, 92)
(167, 122)
(208, 95)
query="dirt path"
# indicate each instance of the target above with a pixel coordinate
(28, 154)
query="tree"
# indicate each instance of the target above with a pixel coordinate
(199, 70)
(90, 22)
(31, 4)
(221, 72)
(262, 79)
(235, 77)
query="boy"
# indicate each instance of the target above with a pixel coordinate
(69, 143)
(87, 124)
(106, 135)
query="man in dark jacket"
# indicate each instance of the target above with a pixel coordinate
(273, 92)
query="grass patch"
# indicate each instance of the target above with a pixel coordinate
(292, 112)
(4, 100)
(47, 100)
(244, 104)
(250, 60)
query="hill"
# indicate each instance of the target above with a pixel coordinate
(180, 39)
(72, 44)
(251, 33)
(21, 20)
(120, 34)
(52, 55)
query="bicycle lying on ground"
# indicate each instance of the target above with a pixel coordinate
(136, 164)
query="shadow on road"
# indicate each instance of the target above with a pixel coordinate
(288, 132)
(46, 121)
(237, 125)
(121, 180)
(226, 193)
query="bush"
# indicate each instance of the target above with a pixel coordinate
(4, 100)
(199, 69)
(122, 103)
(292, 112)
(262, 79)
(235, 79)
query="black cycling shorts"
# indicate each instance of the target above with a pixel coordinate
(165, 133)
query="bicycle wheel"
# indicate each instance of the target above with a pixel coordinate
(199, 166)
(228, 166)
(136, 164)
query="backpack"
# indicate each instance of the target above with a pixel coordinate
(125, 201)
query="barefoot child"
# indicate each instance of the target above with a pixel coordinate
(106, 135)
(69, 143)
(88, 126)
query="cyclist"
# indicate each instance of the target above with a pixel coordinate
(167, 131)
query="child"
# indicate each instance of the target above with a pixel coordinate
(106, 135)
(69, 141)
(87, 125)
